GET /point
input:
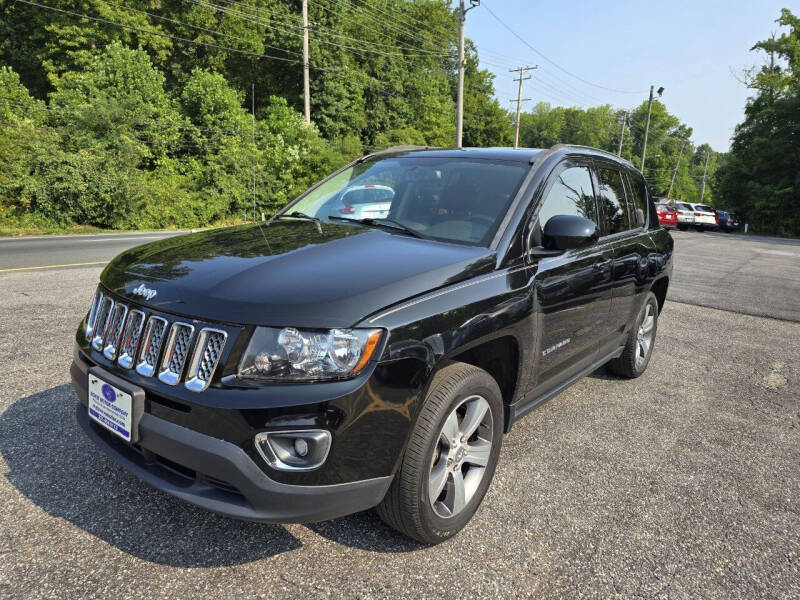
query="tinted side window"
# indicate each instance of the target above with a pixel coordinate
(639, 193)
(571, 194)
(611, 199)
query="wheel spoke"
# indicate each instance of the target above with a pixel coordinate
(647, 326)
(437, 480)
(458, 491)
(476, 410)
(450, 429)
(641, 352)
(478, 453)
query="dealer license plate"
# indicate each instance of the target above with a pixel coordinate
(111, 407)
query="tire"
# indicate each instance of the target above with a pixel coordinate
(628, 364)
(407, 506)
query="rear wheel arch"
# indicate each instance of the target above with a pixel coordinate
(659, 288)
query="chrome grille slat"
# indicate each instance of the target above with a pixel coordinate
(176, 352)
(130, 338)
(101, 322)
(151, 346)
(206, 357)
(90, 320)
(114, 330)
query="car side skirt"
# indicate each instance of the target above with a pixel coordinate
(522, 407)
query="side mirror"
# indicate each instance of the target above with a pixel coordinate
(565, 232)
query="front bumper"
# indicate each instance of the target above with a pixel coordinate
(219, 475)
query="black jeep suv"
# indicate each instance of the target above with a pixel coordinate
(371, 343)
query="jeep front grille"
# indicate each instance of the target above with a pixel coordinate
(101, 322)
(114, 330)
(152, 343)
(176, 352)
(207, 353)
(130, 339)
(151, 346)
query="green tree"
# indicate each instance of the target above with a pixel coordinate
(760, 178)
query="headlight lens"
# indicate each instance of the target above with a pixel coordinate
(291, 354)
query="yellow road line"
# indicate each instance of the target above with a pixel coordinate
(102, 262)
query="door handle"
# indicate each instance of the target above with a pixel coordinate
(602, 265)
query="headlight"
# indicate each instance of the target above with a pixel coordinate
(291, 354)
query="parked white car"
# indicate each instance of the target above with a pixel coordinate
(705, 217)
(685, 215)
(368, 201)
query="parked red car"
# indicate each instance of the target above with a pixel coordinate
(667, 215)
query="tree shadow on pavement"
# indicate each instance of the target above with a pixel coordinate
(59, 469)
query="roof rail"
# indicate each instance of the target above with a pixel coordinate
(558, 147)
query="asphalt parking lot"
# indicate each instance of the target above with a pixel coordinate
(683, 483)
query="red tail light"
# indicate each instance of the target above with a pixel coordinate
(698, 214)
(680, 212)
(347, 210)
(716, 218)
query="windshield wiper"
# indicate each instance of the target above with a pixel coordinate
(383, 223)
(296, 214)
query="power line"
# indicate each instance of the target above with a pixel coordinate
(210, 31)
(437, 52)
(156, 33)
(581, 79)
(294, 30)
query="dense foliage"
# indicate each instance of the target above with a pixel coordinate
(761, 176)
(142, 115)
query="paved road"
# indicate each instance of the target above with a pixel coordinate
(750, 275)
(69, 250)
(683, 483)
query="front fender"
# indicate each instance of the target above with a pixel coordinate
(426, 331)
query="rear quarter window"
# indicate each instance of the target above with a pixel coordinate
(639, 198)
(611, 200)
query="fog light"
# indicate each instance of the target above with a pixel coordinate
(301, 450)
(300, 446)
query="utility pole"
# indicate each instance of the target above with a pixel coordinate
(622, 122)
(647, 127)
(462, 19)
(675, 172)
(253, 106)
(306, 85)
(705, 170)
(520, 99)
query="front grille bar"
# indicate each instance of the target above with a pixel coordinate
(114, 330)
(205, 359)
(90, 320)
(151, 346)
(130, 339)
(101, 322)
(175, 352)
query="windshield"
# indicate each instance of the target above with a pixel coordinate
(452, 199)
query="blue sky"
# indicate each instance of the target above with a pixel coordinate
(695, 50)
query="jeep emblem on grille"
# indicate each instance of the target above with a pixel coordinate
(144, 292)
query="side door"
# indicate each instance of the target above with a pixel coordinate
(572, 295)
(626, 216)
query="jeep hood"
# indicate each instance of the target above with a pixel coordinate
(290, 273)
